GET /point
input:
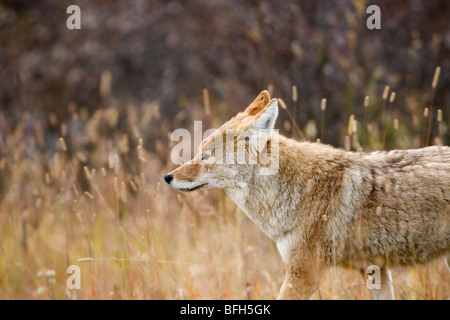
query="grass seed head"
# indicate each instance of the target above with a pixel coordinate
(366, 101)
(386, 92)
(323, 104)
(62, 144)
(294, 94)
(282, 104)
(437, 72)
(439, 115)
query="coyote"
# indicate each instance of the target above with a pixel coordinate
(325, 206)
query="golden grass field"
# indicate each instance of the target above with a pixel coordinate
(106, 208)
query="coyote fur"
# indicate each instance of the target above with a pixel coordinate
(325, 206)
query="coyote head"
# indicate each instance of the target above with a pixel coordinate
(243, 147)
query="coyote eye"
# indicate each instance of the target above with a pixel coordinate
(205, 156)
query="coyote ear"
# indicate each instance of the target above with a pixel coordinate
(258, 104)
(267, 117)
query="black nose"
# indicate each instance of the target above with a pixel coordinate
(168, 178)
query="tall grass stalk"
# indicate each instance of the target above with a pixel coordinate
(430, 117)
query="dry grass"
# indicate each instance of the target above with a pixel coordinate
(103, 208)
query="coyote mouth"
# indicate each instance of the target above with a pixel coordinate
(194, 188)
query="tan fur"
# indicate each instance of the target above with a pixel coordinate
(326, 206)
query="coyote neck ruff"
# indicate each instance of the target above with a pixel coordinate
(325, 206)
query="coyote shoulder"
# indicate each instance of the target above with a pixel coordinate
(325, 206)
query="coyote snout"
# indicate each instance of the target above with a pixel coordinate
(325, 206)
(168, 178)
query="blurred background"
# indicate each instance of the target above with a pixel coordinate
(102, 102)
